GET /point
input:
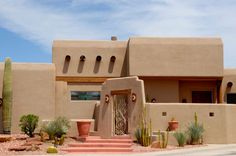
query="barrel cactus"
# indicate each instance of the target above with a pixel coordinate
(7, 97)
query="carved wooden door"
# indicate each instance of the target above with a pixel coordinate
(120, 111)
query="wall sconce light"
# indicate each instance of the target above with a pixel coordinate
(134, 97)
(107, 99)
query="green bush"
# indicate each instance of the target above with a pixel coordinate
(28, 123)
(181, 138)
(57, 128)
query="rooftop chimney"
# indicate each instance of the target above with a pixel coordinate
(113, 38)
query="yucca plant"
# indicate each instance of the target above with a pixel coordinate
(180, 138)
(7, 97)
(195, 131)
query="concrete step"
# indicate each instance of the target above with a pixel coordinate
(94, 140)
(96, 149)
(100, 144)
(121, 137)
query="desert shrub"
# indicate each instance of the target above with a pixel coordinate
(195, 132)
(28, 123)
(181, 138)
(57, 128)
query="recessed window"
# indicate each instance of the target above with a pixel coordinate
(202, 97)
(85, 95)
(231, 98)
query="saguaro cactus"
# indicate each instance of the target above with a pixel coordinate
(7, 97)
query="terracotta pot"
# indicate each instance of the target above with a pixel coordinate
(83, 128)
(173, 125)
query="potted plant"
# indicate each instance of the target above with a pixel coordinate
(173, 124)
(83, 126)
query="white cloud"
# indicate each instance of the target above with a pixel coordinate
(41, 22)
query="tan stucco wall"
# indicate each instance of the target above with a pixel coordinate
(186, 88)
(229, 76)
(191, 57)
(106, 116)
(75, 109)
(164, 91)
(33, 91)
(90, 49)
(218, 129)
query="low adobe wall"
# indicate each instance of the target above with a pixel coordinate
(219, 128)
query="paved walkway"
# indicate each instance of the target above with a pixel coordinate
(210, 150)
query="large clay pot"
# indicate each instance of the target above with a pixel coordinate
(83, 127)
(173, 125)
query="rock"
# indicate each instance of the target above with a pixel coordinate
(155, 144)
(21, 137)
(32, 148)
(5, 137)
(51, 149)
(30, 143)
(37, 138)
(17, 148)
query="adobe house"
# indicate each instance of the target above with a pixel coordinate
(111, 82)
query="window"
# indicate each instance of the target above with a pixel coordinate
(85, 95)
(202, 97)
(231, 98)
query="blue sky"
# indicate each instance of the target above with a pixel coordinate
(28, 27)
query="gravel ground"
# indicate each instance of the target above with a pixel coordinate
(42, 151)
(43, 148)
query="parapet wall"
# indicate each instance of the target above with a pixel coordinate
(217, 119)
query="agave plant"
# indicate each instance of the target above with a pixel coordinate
(57, 128)
(181, 138)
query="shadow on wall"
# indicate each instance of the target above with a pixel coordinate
(81, 64)
(111, 64)
(96, 115)
(66, 64)
(97, 64)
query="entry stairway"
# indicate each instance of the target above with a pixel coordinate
(95, 144)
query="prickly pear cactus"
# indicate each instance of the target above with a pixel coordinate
(7, 97)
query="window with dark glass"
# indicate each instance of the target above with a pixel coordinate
(85, 95)
(231, 98)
